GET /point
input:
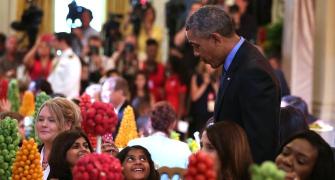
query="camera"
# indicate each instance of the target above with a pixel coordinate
(94, 50)
(129, 48)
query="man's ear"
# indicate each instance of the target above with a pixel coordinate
(217, 38)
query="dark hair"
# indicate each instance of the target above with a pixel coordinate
(94, 38)
(299, 104)
(151, 42)
(210, 19)
(119, 83)
(231, 143)
(162, 116)
(147, 8)
(59, 167)
(291, 122)
(146, 86)
(13, 115)
(43, 85)
(324, 165)
(89, 12)
(63, 36)
(2, 38)
(153, 175)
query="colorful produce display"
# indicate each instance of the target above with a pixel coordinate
(200, 167)
(128, 129)
(97, 167)
(27, 163)
(28, 104)
(267, 170)
(40, 99)
(14, 96)
(9, 143)
(98, 118)
(3, 89)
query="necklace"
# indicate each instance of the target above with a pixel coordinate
(44, 160)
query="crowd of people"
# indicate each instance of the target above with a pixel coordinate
(215, 78)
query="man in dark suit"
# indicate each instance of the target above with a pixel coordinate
(249, 93)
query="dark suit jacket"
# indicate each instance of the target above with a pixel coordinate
(250, 96)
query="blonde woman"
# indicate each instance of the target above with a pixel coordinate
(55, 116)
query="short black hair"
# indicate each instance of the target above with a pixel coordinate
(63, 36)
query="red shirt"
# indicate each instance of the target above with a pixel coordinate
(173, 89)
(37, 71)
(156, 82)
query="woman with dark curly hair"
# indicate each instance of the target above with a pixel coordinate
(67, 148)
(165, 151)
(306, 156)
(137, 163)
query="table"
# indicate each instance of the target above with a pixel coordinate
(329, 136)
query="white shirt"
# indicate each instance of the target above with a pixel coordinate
(65, 75)
(46, 171)
(164, 151)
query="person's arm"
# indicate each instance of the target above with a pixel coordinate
(197, 91)
(29, 58)
(180, 37)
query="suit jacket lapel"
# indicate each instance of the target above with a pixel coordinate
(228, 78)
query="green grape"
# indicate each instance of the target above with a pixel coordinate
(9, 139)
(7, 158)
(40, 99)
(4, 152)
(266, 171)
(2, 139)
(3, 146)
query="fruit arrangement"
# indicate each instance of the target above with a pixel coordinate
(98, 118)
(28, 104)
(97, 167)
(3, 89)
(27, 163)
(174, 135)
(193, 145)
(128, 129)
(13, 95)
(267, 170)
(9, 143)
(200, 167)
(40, 99)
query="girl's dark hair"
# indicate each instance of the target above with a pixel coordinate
(324, 167)
(133, 90)
(59, 167)
(231, 144)
(153, 175)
